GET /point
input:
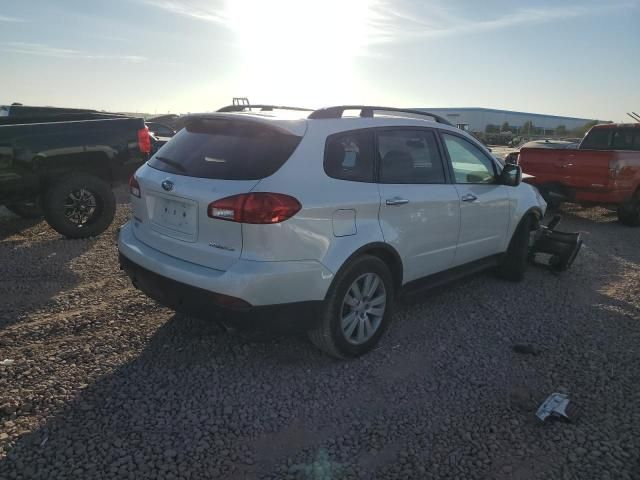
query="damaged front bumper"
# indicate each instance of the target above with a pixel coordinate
(561, 248)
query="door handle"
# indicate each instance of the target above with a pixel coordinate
(469, 197)
(396, 201)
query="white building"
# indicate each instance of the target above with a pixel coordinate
(477, 119)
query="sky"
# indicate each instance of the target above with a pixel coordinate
(573, 58)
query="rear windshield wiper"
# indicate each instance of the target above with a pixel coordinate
(173, 163)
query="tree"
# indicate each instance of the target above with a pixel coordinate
(505, 127)
(561, 130)
(527, 127)
(492, 129)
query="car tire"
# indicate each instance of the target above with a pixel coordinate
(27, 209)
(514, 263)
(629, 213)
(79, 206)
(337, 331)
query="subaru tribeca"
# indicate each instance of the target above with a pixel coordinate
(251, 209)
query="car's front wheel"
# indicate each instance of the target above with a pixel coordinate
(357, 310)
(514, 262)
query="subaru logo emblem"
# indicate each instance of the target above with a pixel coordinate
(167, 185)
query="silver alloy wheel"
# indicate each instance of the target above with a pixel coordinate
(79, 206)
(363, 308)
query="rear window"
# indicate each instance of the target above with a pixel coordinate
(623, 139)
(225, 149)
(597, 139)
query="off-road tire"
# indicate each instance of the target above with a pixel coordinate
(514, 263)
(327, 333)
(54, 206)
(28, 209)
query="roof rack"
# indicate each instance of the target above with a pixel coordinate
(263, 108)
(368, 111)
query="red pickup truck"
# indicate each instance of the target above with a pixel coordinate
(603, 170)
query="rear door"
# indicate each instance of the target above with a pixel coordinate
(484, 203)
(208, 160)
(420, 209)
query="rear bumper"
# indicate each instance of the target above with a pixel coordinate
(256, 283)
(210, 305)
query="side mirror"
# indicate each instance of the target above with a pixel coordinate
(511, 175)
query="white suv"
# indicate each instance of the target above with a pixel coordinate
(263, 208)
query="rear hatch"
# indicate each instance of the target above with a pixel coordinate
(211, 158)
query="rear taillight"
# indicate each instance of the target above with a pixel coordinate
(134, 186)
(258, 207)
(144, 140)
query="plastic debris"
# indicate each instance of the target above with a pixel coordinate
(525, 349)
(6, 362)
(555, 405)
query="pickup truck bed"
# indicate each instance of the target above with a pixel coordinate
(65, 164)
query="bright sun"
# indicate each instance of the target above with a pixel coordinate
(300, 51)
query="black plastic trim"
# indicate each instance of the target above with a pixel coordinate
(451, 275)
(368, 112)
(263, 108)
(204, 304)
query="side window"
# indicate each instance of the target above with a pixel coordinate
(349, 156)
(470, 164)
(597, 139)
(622, 140)
(409, 156)
(636, 139)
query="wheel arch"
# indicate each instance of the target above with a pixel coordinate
(535, 213)
(384, 252)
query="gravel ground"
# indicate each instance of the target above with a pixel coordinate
(106, 384)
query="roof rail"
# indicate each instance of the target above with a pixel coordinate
(368, 111)
(263, 108)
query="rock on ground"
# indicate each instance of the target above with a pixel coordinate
(107, 384)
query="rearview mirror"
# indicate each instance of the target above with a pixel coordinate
(511, 175)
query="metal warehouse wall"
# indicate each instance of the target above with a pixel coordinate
(479, 118)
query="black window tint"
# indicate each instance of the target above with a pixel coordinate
(597, 139)
(349, 156)
(225, 149)
(636, 140)
(622, 139)
(409, 156)
(470, 164)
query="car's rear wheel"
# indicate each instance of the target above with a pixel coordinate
(27, 209)
(79, 206)
(629, 213)
(357, 310)
(514, 262)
